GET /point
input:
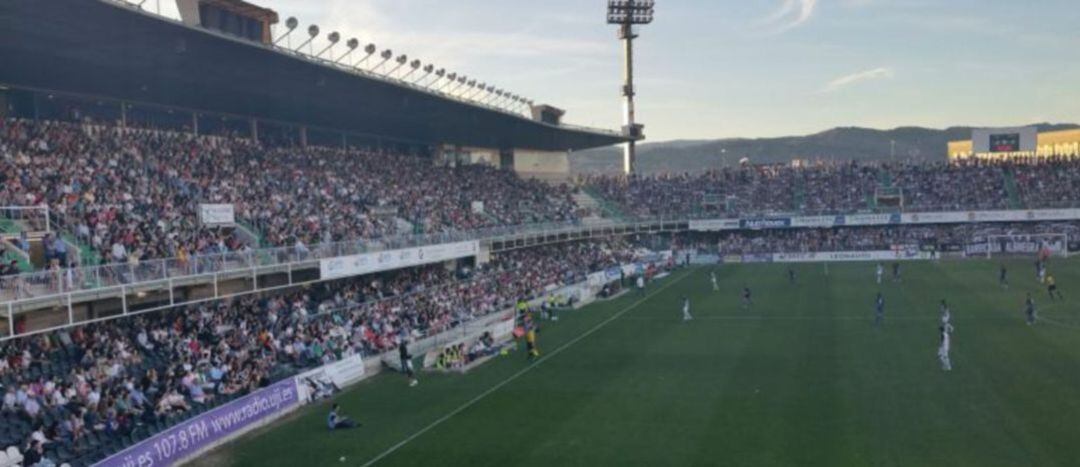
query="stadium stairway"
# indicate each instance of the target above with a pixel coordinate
(605, 208)
(249, 234)
(799, 193)
(1012, 190)
(585, 201)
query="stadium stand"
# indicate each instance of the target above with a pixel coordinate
(842, 188)
(133, 194)
(92, 390)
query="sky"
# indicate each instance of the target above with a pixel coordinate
(745, 68)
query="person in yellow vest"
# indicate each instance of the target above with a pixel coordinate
(530, 344)
(1051, 288)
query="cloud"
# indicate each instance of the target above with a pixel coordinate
(790, 14)
(858, 77)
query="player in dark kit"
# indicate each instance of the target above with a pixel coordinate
(791, 276)
(879, 310)
(896, 272)
(1029, 309)
(746, 298)
(406, 362)
(1003, 277)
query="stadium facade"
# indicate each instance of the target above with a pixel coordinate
(1063, 144)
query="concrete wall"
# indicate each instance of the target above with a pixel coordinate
(545, 165)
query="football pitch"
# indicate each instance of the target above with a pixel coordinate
(802, 378)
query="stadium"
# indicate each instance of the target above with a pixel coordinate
(232, 239)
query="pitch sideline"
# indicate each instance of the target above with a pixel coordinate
(525, 370)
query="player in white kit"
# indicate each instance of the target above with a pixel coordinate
(686, 309)
(946, 330)
(880, 272)
(715, 285)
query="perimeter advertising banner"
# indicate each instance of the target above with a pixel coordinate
(194, 435)
(909, 254)
(366, 263)
(862, 220)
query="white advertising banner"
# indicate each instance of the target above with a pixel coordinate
(217, 214)
(710, 225)
(934, 218)
(957, 217)
(340, 374)
(367, 263)
(813, 221)
(846, 256)
(868, 219)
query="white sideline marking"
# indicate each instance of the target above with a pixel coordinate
(1056, 323)
(515, 376)
(868, 318)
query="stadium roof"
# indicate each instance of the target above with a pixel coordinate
(108, 49)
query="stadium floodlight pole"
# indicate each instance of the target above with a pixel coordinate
(413, 66)
(450, 80)
(627, 14)
(352, 44)
(479, 88)
(333, 38)
(312, 31)
(439, 74)
(369, 50)
(428, 69)
(490, 92)
(453, 84)
(486, 94)
(469, 84)
(386, 56)
(465, 90)
(401, 61)
(497, 99)
(463, 83)
(291, 25)
(499, 93)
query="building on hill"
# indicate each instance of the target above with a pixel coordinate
(1010, 144)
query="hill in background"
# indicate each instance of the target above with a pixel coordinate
(849, 143)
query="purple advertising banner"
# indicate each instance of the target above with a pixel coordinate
(191, 436)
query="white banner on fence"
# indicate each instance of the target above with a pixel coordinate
(366, 263)
(341, 373)
(714, 224)
(814, 221)
(217, 214)
(958, 217)
(844, 256)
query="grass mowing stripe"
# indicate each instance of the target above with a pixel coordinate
(523, 371)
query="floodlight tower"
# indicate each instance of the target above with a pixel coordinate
(627, 14)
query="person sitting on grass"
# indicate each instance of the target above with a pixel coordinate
(336, 420)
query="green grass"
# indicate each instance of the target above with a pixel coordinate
(803, 379)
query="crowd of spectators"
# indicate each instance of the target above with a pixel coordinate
(1049, 183)
(134, 193)
(88, 391)
(836, 188)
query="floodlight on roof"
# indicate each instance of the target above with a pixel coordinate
(352, 44)
(291, 24)
(313, 31)
(368, 51)
(413, 66)
(332, 38)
